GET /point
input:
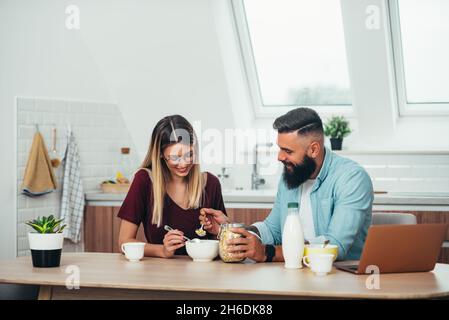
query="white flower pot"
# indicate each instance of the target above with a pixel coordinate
(46, 249)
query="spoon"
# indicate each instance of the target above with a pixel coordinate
(168, 228)
(200, 231)
(55, 159)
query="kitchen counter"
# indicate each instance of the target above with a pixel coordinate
(266, 198)
(108, 276)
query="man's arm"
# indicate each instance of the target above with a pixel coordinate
(269, 230)
(352, 207)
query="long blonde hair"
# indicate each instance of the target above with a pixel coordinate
(168, 131)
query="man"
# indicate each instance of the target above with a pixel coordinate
(335, 195)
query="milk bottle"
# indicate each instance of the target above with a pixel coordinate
(293, 238)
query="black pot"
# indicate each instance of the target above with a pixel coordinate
(46, 258)
(336, 143)
(46, 249)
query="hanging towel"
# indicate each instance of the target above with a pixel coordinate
(72, 203)
(39, 178)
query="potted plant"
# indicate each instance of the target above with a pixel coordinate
(46, 243)
(337, 128)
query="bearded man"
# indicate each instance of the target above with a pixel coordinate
(335, 195)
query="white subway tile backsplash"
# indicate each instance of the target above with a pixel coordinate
(23, 229)
(399, 172)
(21, 202)
(75, 106)
(376, 170)
(22, 118)
(426, 170)
(443, 171)
(25, 104)
(97, 171)
(23, 253)
(441, 184)
(60, 107)
(44, 105)
(22, 243)
(38, 117)
(22, 146)
(408, 170)
(26, 214)
(26, 131)
(36, 202)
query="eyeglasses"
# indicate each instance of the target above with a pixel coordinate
(188, 158)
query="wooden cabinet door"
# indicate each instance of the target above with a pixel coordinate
(98, 235)
(247, 216)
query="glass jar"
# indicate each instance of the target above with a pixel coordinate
(224, 235)
(126, 164)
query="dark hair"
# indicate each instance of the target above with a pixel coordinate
(305, 120)
(173, 129)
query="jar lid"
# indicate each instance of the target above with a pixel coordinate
(233, 225)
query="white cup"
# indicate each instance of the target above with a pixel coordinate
(133, 250)
(319, 263)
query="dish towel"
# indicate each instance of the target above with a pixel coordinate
(39, 177)
(72, 202)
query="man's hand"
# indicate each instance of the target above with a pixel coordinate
(248, 246)
(212, 219)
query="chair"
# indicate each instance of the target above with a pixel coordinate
(393, 218)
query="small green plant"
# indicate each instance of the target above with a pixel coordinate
(337, 127)
(47, 225)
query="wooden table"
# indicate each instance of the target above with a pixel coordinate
(111, 276)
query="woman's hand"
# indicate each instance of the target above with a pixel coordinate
(173, 240)
(212, 219)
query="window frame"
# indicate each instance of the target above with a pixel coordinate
(252, 79)
(406, 108)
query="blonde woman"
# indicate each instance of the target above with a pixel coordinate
(169, 189)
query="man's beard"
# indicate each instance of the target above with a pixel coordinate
(299, 173)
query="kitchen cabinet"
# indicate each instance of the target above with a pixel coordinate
(247, 215)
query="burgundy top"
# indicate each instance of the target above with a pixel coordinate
(138, 208)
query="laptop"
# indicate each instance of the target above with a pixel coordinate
(399, 248)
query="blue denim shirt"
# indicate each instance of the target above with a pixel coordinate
(341, 201)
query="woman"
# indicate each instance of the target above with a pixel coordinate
(169, 189)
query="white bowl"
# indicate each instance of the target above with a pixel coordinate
(202, 250)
